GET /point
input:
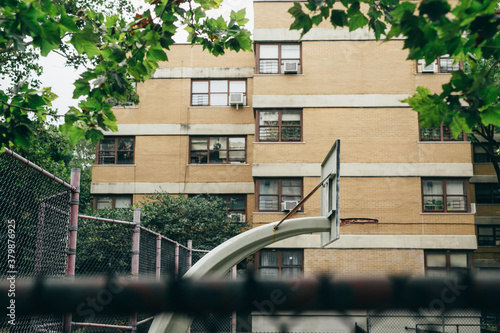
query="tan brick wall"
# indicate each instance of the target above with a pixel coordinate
(488, 210)
(394, 200)
(484, 169)
(394, 138)
(445, 152)
(162, 102)
(112, 173)
(167, 101)
(185, 55)
(218, 173)
(161, 158)
(372, 262)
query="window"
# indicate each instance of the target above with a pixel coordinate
(278, 58)
(235, 205)
(448, 196)
(487, 193)
(442, 64)
(217, 150)
(112, 201)
(117, 150)
(274, 264)
(215, 92)
(272, 192)
(279, 125)
(488, 235)
(480, 154)
(441, 263)
(441, 133)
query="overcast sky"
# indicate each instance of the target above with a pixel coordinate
(61, 78)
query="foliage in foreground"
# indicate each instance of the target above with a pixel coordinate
(467, 32)
(115, 50)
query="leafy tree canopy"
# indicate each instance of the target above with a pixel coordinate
(117, 51)
(466, 30)
(202, 219)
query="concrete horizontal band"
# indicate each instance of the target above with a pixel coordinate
(493, 220)
(183, 129)
(315, 34)
(365, 170)
(484, 179)
(203, 72)
(329, 101)
(175, 188)
(452, 242)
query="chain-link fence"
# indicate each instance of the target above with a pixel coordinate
(34, 212)
(107, 246)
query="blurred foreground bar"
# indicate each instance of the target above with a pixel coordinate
(122, 295)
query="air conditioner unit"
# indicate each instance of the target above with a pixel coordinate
(237, 98)
(431, 68)
(291, 67)
(237, 217)
(288, 205)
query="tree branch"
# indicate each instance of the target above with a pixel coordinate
(31, 110)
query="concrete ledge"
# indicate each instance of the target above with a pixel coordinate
(484, 179)
(183, 129)
(185, 188)
(494, 220)
(457, 242)
(365, 170)
(329, 101)
(315, 34)
(203, 72)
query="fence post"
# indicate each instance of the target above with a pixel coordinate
(158, 257)
(176, 260)
(136, 237)
(234, 272)
(73, 227)
(190, 253)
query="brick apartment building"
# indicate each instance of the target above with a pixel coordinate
(255, 127)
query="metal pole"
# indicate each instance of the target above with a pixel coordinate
(233, 319)
(176, 260)
(190, 253)
(158, 257)
(136, 238)
(73, 227)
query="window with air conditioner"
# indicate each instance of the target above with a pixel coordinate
(275, 194)
(442, 64)
(235, 205)
(218, 92)
(279, 58)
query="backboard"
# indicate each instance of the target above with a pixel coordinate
(330, 200)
